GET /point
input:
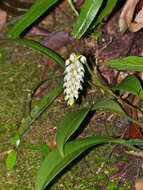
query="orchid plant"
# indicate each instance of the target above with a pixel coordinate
(67, 150)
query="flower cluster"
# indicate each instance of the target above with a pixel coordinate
(74, 74)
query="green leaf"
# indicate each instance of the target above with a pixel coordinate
(54, 163)
(87, 15)
(128, 63)
(31, 147)
(108, 7)
(37, 9)
(44, 149)
(113, 107)
(136, 141)
(15, 140)
(68, 125)
(39, 109)
(131, 84)
(39, 47)
(11, 159)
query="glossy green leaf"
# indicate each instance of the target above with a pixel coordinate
(128, 63)
(132, 85)
(108, 7)
(15, 140)
(112, 106)
(135, 142)
(39, 47)
(68, 125)
(11, 159)
(87, 15)
(39, 109)
(54, 163)
(37, 9)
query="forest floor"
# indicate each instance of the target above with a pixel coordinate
(106, 167)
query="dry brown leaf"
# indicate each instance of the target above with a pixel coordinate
(139, 184)
(52, 143)
(138, 22)
(139, 17)
(138, 154)
(3, 17)
(127, 15)
(134, 27)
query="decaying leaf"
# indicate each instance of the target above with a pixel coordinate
(3, 17)
(127, 15)
(138, 22)
(139, 184)
(126, 18)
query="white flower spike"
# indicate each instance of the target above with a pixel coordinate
(74, 74)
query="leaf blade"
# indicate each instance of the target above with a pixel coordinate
(39, 47)
(68, 125)
(54, 163)
(112, 106)
(87, 15)
(132, 85)
(127, 63)
(39, 109)
(11, 159)
(109, 6)
(37, 9)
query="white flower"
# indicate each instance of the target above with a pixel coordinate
(67, 62)
(74, 74)
(72, 57)
(83, 59)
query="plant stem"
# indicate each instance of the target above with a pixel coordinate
(73, 8)
(110, 91)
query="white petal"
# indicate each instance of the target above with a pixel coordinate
(78, 64)
(75, 73)
(81, 68)
(80, 80)
(67, 62)
(72, 57)
(80, 87)
(66, 97)
(67, 77)
(76, 94)
(67, 84)
(71, 101)
(71, 66)
(78, 77)
(82, 73)
(83, 59)
(67, 91)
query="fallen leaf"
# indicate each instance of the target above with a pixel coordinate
(127, 14)
(138, 22)
(139, 184)
(139, 17)
(52, 143)
(3, 17)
